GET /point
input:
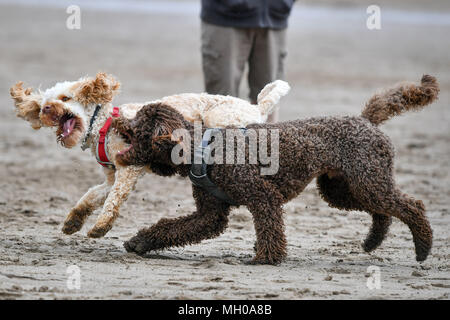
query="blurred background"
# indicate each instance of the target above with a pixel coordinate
(153, 47)
(334, 65)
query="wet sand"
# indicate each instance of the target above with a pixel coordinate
(334, 65)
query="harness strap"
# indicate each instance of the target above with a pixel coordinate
(102, 152)
(198, 173)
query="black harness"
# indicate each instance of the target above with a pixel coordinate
(198, 173)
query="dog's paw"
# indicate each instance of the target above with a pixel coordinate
(98, 231)
(135, 245)
(257, 261)
(72, 225)
(369, 245)
(423, 249)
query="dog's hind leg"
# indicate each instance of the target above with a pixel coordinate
(412, 213)
(378, 194)
(378, 231)
(335, 190)
(209, 221)
(93, 199)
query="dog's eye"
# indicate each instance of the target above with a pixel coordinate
(65, 98)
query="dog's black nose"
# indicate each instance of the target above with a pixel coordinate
(46, 109)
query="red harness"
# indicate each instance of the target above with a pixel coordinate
(102, 152)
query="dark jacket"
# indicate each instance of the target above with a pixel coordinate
(247, 13)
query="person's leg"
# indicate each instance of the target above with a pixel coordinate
(266, 62)
(225, 51)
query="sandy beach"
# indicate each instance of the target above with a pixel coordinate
(334, 65)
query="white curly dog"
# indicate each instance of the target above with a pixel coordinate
(81, 112)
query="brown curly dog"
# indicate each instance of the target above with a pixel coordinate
(351, 158)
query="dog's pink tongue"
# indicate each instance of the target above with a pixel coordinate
(68, 127)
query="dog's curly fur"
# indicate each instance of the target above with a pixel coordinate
(68, 107)
(351, 158)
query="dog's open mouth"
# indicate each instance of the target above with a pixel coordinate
(121, 152)
(127, 138)
(67, 126)
(122, 127)
(69, 130)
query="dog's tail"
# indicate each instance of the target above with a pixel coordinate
(401, 98)
(270, 95)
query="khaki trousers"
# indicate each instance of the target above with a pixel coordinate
(226, 50)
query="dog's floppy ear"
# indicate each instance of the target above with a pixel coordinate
(28, 104)
(165, 120)
(164, 144)
(100, 90)
(150, 134)
(161, 153)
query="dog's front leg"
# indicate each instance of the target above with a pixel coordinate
(126, 178)
(270, 238)
(93, 199)
(264, 201)
(209, 221)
